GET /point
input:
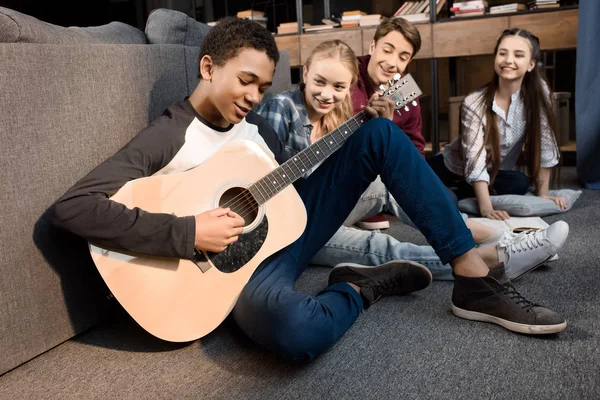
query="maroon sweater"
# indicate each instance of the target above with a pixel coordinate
(410, 121)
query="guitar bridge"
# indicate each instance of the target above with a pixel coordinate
(201, 261)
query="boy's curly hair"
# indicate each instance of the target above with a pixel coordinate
(231, 34)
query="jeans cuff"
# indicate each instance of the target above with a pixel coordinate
(456, 247)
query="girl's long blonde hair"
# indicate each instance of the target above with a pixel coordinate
(339, 50)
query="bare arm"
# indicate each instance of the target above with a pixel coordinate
(486, 210)
(542, 185)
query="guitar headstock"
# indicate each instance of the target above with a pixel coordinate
(403, 91)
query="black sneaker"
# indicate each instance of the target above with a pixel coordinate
(494, 299)
(394, 277)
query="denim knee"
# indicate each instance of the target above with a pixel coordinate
(522, 184)
(383, 130)
(292, 332)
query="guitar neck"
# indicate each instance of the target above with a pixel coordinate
(294, 168)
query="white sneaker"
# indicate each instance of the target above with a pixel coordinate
(528, 250)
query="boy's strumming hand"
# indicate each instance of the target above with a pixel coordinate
(380, 106)
(216, 229)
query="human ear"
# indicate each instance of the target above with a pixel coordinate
(531, 66)
(206, 68)
(304, 73)
(372, 47)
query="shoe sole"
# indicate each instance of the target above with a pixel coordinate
(371, 226)
(511, 326)
(416, 264)
(531, 269)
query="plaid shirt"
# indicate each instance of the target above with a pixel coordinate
(287, 114)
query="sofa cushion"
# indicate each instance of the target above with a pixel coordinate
(174, 27)
(16, 27)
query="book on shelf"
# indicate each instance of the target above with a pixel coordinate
(416, 18)
(507, 8)
(314, 28)
(418, 7)
(469, 8)
(370, 20)
(330, 22)
(289, 27)
(350, 24)
(461, 4)
(351, 17)
(353, 13)
(255, 18)
(250, 13)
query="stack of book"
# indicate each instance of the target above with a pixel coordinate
(351, 19)
(508, 8)
(469, 8)
(289, 27)
(256, 16)
(417, 11)
(370, 20)
(322, 27)
(543, 4)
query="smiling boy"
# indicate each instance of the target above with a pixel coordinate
(237, 62)
(395, 43)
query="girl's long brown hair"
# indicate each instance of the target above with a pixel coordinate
(336, 49)
(537, 104)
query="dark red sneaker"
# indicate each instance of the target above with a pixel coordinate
(378, 221)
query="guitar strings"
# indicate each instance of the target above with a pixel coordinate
(247, 200)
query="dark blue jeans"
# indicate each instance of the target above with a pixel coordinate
(297, 325)
(506, 182)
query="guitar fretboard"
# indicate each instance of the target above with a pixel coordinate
(304, 161)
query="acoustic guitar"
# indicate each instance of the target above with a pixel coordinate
(182, 300)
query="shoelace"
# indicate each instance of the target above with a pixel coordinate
(385, 286)
(510, 290)
(523, 241)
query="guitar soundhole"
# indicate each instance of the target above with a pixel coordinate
(236, 255)
(240, 201)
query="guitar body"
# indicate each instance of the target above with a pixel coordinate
(181, 300)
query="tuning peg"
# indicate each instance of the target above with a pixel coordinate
(406, 108)
(382, 87)
(396, 77)
(414, 103)
(399, 113)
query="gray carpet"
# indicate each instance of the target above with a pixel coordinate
(406, 347)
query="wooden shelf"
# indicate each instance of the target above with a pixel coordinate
(477, 36)
(556, 29)
(359, 39)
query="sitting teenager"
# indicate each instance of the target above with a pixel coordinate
(237, 61)
(302, 116)
(395, 43)
(511, 112)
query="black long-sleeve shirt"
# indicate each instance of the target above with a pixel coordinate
(175, 142)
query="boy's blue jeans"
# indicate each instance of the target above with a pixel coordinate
(297, 325)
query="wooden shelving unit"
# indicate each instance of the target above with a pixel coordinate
(450, 38)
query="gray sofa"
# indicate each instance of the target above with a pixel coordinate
(70, 97)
